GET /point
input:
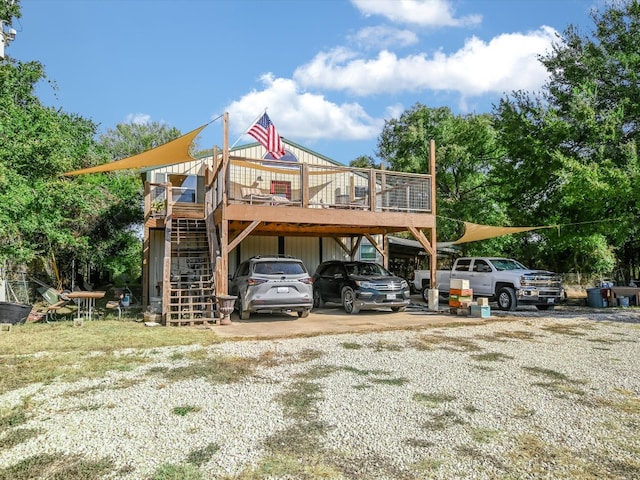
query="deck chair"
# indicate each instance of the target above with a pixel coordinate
(255, 195)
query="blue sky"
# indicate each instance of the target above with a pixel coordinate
(329, 72)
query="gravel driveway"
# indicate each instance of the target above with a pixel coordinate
(528, 395)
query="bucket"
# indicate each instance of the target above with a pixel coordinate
(623, 301)
(14, 313)
(594, 298)
(126, 300)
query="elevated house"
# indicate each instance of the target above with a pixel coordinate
(204, 216)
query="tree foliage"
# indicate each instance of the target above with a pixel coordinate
(46, 215)
(128, 139)
(364, 161)
(565, 156)
(571, 151)
(466, 150)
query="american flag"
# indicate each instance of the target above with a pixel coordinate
(265, 132)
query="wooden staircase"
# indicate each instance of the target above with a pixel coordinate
(191, 300)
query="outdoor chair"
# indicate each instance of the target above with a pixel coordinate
(255, 195)
(122, 300)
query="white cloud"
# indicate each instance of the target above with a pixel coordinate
(436, 13)
(300, 115)
(383, 37)
(394, 111)
(138, 118)
(508, 62)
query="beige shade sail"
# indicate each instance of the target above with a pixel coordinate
(175, 151)
(474, 232)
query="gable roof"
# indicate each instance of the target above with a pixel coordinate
(292, 144)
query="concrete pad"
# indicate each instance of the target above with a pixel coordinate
(334, 320)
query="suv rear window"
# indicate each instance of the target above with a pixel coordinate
(279, 268)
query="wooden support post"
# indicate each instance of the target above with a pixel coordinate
(222, 267)
(434, 256)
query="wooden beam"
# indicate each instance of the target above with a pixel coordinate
(166, 261)
(145, 249)
(374, 243)
(242, 235)
(222, 266)
(432, 167)
(385, 256)
(294, 215)
(420, 237)
(342, 245)
(354, 248)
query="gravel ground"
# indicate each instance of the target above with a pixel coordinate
(529, 395)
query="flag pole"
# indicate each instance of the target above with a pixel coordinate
(247, 129)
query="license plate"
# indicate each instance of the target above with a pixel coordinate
(391, 296)
(550, 300)
(283, 289)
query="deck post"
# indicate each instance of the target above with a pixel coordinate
(433, 259)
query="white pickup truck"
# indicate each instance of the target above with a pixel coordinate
(504, 280)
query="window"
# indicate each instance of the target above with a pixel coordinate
(184, 188)
(367, 252)
(481, 266)
(333, 269)
(281, 188)
(463, 265)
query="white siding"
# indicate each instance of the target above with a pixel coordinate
(256, 245)
(304, 248)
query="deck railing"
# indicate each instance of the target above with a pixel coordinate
(322, 186)
(271, 182)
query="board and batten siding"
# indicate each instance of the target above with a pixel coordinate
(304, 248)
(303, 156)
(252, 246)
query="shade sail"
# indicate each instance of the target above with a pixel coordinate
(175, 151)
(474, 232)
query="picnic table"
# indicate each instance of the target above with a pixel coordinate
(86, 304)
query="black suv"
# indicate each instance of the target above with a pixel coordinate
(359, 286)
(272, 284)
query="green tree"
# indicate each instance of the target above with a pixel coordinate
(10, 10)
(128, 139)
(118, 246)
(46, 215)
(364, 161)
(466, 150)
(572, 149)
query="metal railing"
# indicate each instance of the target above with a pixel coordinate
(271, 182)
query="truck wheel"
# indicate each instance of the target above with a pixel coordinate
(303, 313)
(425, 294)
(349, 301)
(507, 299)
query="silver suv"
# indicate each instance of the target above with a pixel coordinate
(272, 284)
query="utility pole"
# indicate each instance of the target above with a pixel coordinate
(7, 35)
